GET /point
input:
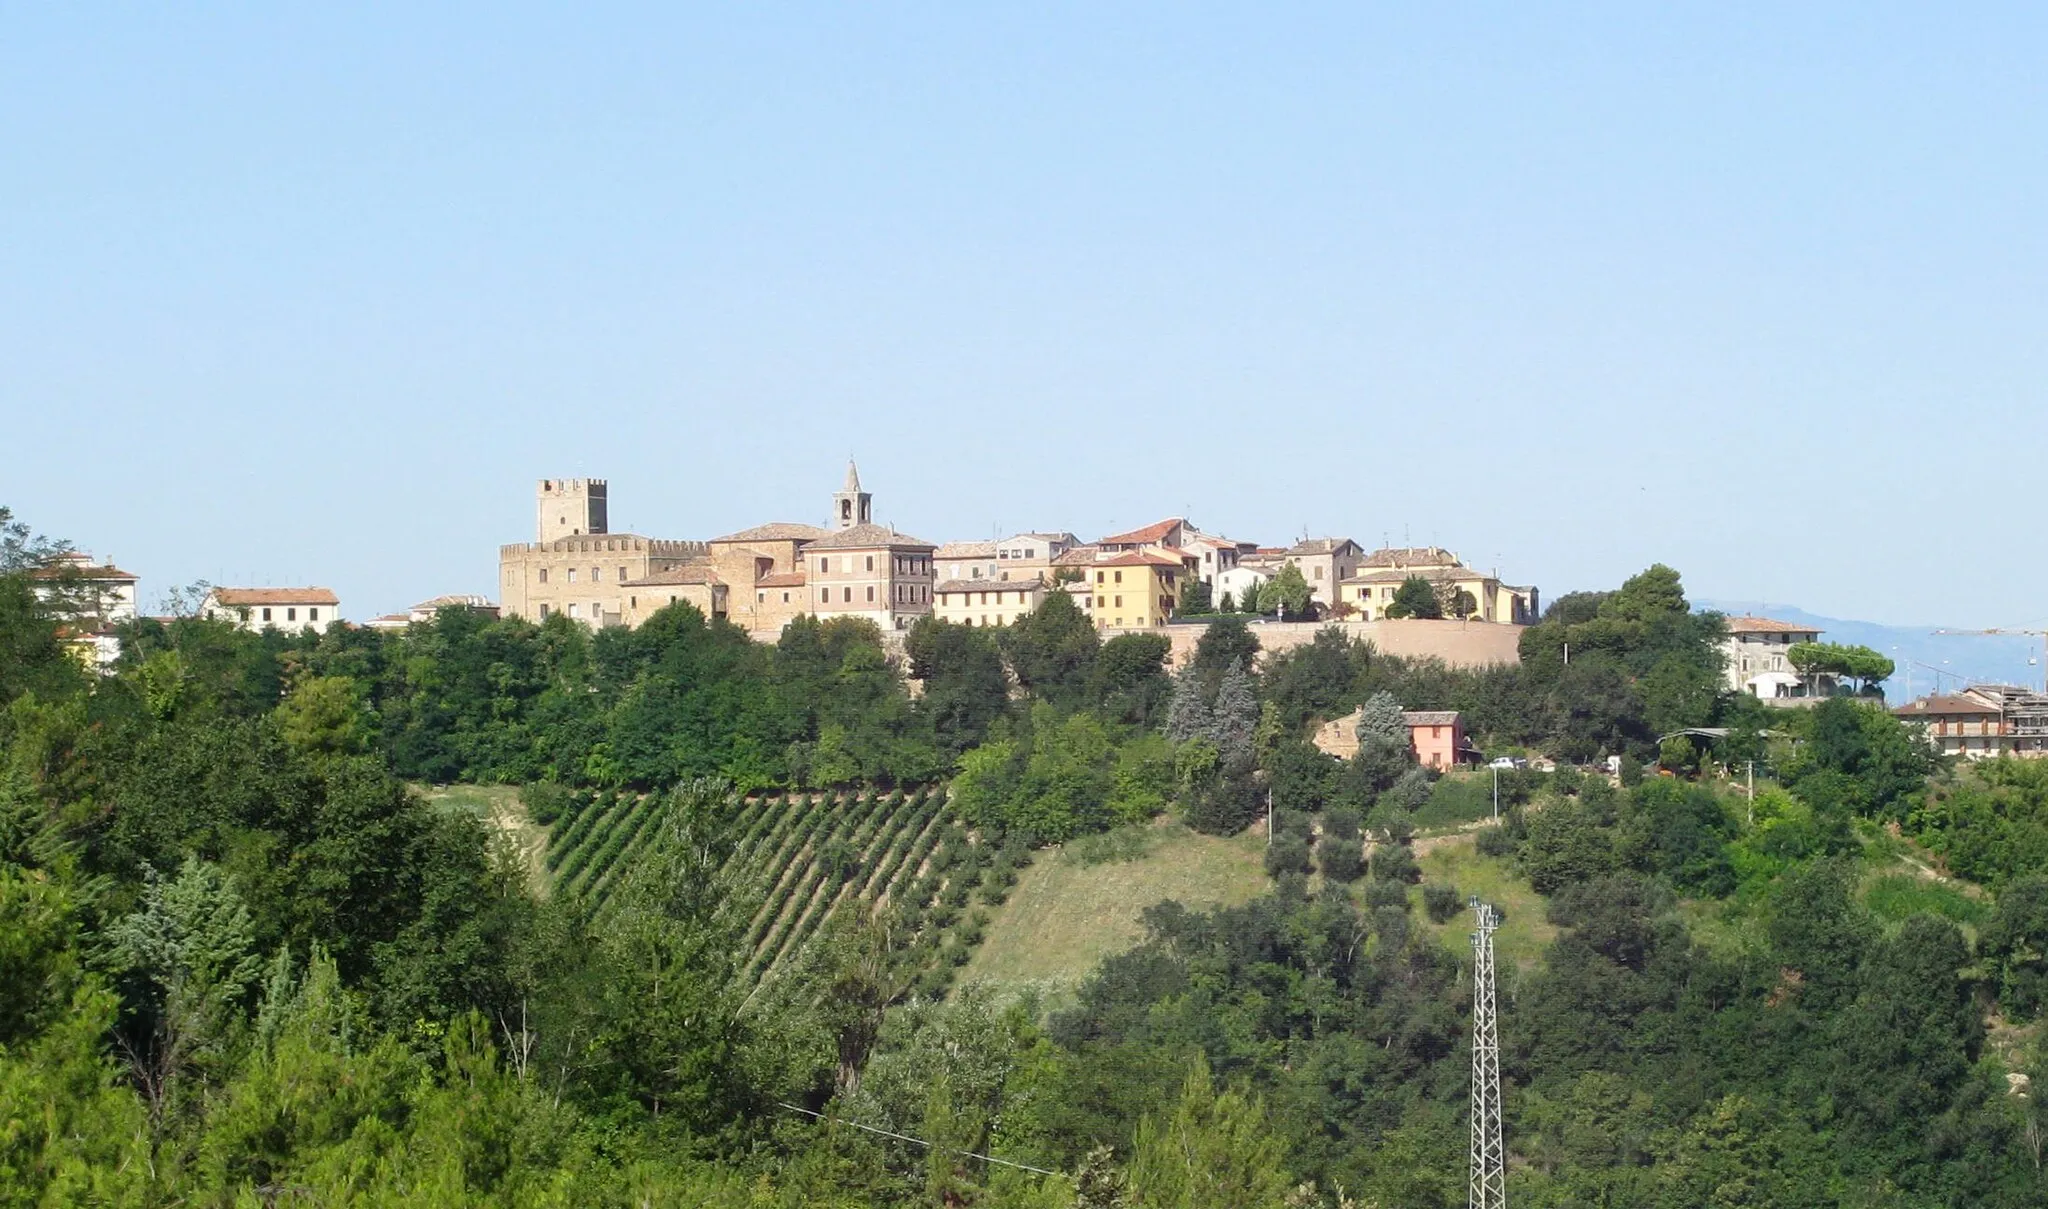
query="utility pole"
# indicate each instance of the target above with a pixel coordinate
(1489, 1181)
(1496, 792)
(1752, 793)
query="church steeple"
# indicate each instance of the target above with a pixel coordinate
(852, 506)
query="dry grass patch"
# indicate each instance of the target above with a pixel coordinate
(1065, 915)
(498, 807)
(1524, 934)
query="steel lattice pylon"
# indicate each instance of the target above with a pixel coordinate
(1489, 1187)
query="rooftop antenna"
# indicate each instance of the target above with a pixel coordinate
(1489, 1184)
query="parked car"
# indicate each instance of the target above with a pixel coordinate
(1507, 762)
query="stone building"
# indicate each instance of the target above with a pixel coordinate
(577, 567)
(1325, 562)
(870, 571)
(1754, 650)
(764, 575)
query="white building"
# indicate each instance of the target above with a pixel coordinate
(273, 608)
(93, 598)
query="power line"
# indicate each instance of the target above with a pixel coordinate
(1489, 1180)
(904, 1137)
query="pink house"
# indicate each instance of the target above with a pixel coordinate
(1435, 736)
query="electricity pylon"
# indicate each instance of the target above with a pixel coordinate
(1489, 1187)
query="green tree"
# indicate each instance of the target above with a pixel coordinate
(190, 949)
(1415, 598)
(1052, 650)
(323, 716)
(1215, 1150)
(1289, 592)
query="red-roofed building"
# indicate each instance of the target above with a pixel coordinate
(1136, 590)
(273, 608)
(1755, 650)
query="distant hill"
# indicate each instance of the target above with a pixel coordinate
(1924, 657)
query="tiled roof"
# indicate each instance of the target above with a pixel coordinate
(1768, 625)
(1079, 556)
(236, 597)
(688, 573)
(1320, 545)
(86, 571)
(1411, 556)
(782, 579)
(966, 550)
(1146, 536)
(1139, 558)
(868, 537)
(1381, 577)
(778, 531)
(1945, 703)
(455, 602)
(1430, 717)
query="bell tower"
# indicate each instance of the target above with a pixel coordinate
(852, 506)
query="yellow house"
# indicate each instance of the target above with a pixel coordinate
(1136, 590)
(1370, 589)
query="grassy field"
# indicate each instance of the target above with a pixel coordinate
(1523, 935)
(1065, 915)
(498, 807)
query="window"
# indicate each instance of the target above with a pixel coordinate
(291, 614)
(1319, 572)
(871, 562)
(597, 575)
(846, 595)
(543, 574)
(785, 598)
(543, 612)
(572, 610)
(572, 575)
(871, 593)
(824, 565)
(1119, 604)
(824, 596)
(762, 597)
(266, 614)
(1119, 576)
(312, 614)
(622, 574)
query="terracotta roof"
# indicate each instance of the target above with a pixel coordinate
(990, 585)
(1079, 556)
(1430, 717)
(1768, 625)
(236, 597)
(966, 550)
(1146, 536)
(778, 531)
(1320, 545)
(782, 579)
(863, 537)
(688, 573)
(1411, 556)
(1945, 703)
(1139, 558)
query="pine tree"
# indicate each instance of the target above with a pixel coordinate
(1234, 721)
(1187, 715)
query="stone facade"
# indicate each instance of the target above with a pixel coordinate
(1755, 652)
(584, 577)
(870, 571)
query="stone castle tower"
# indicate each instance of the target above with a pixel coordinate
(852, 506)
(571, 508)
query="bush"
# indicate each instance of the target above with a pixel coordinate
(1286, 854)
(1395, 863)
(1292, 822)
(1441, 902)
(1341, 860)
(1384, 894)
(545, 801)
(1495, 841)
(1342, 823)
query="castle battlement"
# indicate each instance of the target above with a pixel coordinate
(611, 543)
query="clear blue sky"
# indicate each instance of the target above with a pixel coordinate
(1759, 291)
